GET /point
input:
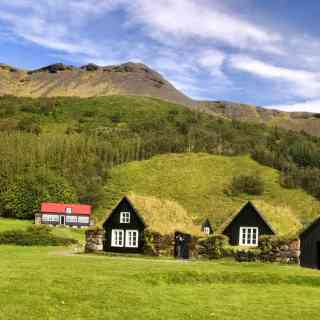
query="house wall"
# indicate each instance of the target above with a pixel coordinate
(70, 224)
(246, 218)
(309, 243)
(113, 222)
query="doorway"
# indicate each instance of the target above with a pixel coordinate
(181, 247)
(62, 220)
(318, 254)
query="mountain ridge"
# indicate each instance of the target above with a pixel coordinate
(138, 79)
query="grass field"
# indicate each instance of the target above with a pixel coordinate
(48, 283)
(199, 184)
(14, 224)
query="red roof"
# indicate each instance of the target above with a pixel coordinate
(77, 209)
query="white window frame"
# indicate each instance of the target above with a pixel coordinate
(125, 217)
(206, 230)
(50, 218)
(71, 219)
(129, 238)
(68, 210)
(246, 236)
(83, 219)
(115, 238)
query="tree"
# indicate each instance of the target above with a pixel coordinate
(250, 184)
(23, 197)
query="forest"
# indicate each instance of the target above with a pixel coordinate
(62, 149)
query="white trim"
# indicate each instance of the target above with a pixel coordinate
(124, 217)
(249, 236)
(132, 238)
(64, 220)
(206, 230)
(117, 238)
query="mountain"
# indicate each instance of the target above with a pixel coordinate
(137, 79)
(87, 81)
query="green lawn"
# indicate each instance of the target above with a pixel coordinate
(14, 224)
(47, 283)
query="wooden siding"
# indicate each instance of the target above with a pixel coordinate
(247, 217)
(310, 246)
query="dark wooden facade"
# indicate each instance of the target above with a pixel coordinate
(248, 216)
(113, 223)
(206, 227)
(310, 246)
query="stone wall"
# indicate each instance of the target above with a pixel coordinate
(281, 250)
(157, 244)
(94, 240)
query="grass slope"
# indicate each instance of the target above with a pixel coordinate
(13, 224)
(198, 183)
(42, 283)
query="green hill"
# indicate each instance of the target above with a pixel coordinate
(199, 183)
(65, 149)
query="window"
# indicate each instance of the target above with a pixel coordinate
(132, 238)
(248, 236)
(50, 218)
(71, 219)
(117, 238)
(84, 220)
(206, 230)
(125, 217)
(68, 210)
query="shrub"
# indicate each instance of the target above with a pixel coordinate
(213, 247)
(34, 236)
(250, 184)
(29, 125)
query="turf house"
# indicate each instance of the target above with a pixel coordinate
(247, 226)
(206, 227)
(69, 215)
(124, 229)
(310, 246)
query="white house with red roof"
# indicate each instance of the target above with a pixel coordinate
(71, 215)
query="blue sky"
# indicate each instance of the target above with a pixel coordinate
(265, 53)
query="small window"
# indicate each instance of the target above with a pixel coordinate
(248, 236)
(132, 238)
(71, 219)
(68, 210)
(117, 238)
(50, 218)
(206, 230)
(125, 217)
(84, 220)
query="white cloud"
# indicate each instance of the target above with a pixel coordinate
(199, 20)
(300, 82)
(306, 106)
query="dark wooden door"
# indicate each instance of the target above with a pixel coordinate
(318, 255)
(182, 245)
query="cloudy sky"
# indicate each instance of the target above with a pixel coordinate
(260, 52)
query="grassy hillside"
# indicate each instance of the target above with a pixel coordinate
(199, 184)
(42, 283)
(139, 80)
(62, 149)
